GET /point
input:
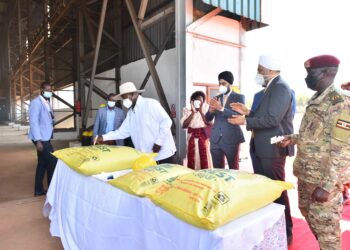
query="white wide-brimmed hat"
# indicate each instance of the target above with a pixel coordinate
(127, 88)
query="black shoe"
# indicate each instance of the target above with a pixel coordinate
(40, 193)
(289, 239)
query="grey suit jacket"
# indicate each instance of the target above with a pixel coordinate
(101, 122)
(273, 117)
(40, 121)
(222, 129)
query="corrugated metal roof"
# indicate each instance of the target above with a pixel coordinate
(247, 8)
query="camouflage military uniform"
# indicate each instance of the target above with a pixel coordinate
(322, 160)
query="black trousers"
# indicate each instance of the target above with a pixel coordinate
(273, 168)
(169, 160)
(219, 151)
(46, 163)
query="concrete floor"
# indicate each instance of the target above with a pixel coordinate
(22, 225)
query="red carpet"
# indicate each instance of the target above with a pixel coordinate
(346, 213)
(303, 239)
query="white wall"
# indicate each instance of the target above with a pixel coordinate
(166, 68)
(213, 46)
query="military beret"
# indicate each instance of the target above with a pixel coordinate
(321, 62)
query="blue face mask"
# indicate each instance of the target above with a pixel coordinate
(47, 94)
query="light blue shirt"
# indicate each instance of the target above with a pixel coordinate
(110, 120)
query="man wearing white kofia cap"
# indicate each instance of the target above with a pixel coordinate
(146, 122)
(273, 116)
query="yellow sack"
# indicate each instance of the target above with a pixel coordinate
(92, 160)
(137, 182)
(144, 161)
(210, 198)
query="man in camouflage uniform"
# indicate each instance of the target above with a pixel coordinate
(322, 161)
(346, 86)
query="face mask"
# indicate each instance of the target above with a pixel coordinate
(311, 81)
(111, 104)
(260, 80)
(197, 104)
(127, 103)
(47, 94)
(222, 89)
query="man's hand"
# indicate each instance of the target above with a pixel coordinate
(39, 146)
(156, 148)
(346, 86)
(285, 142)
(99, 139)
(240, 108)
(237, 120)
(319, 195)
(215, 105)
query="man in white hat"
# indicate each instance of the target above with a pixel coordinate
(146, 122)
(272, 116)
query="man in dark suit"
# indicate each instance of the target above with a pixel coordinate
(273, 116)
(108, 119)
(225, 137)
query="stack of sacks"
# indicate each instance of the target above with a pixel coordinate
(137, 182)
(96, 159)
(210, 198)
(207, 198)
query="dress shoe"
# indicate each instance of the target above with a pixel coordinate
(40, 193)
(289, 239)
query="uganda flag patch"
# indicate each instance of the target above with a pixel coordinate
(343, 124)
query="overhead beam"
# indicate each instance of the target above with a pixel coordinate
(142, 10)
(157, 17)
(147, 54)
(203, 19)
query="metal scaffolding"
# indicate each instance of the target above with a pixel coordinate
(60, 41)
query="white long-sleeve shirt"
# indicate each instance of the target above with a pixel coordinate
(147, 124)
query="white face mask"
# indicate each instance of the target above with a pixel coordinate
(111, 104)
(197, 104)
(260, 80)
(222, 89)
(127, 103)
(47, 94)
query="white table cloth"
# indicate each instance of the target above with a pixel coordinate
(87, 213)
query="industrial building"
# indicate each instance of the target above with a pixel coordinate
(87, 48)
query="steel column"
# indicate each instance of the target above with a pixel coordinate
(94, 64)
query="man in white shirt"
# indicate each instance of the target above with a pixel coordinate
(146, 122)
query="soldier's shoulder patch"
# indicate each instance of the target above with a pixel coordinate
(341, 130)
(343, 124)
(335, 97)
